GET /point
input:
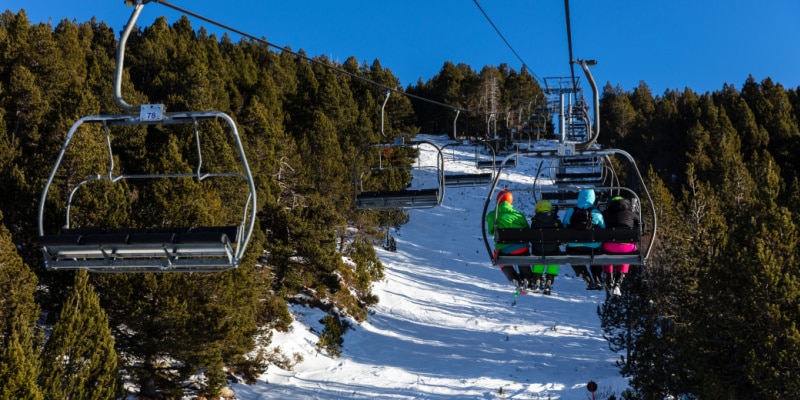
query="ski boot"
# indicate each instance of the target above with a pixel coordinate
(609, 282)
(537, 285)
(618, 281)
(548, 285)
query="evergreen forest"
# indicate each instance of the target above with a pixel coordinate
(714, 315)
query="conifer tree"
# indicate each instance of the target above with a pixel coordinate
(78, 359)
(753, 136)
(773, 349)
(618, 116)
(19, 364)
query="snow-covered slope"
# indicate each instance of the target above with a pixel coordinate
(448, 326)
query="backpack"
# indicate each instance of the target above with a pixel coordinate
(545, 220)
(581, 220)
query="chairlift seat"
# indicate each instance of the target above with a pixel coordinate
(398, 199)
(484, 164)
(468, 179)
(511, 163)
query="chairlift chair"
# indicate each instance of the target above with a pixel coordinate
(148, 249)
(579, 170)
(471, 178)
(429, 195)
(567, 196)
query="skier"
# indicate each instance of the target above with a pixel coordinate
(585, 216)
(545, 218)
(505, 216)
(618, 214)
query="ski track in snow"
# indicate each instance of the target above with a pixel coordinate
(445, 326)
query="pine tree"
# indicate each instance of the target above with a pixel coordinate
(331, 339)
(618, 117)
(79, 360)
(771, 360)
(19, 364)
(753, 136)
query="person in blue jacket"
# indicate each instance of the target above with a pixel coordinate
(585, 216)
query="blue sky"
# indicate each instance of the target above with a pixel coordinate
(667, 44)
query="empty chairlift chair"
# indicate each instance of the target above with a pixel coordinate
(459, 155)
(99, 248)
(428, 193)
(579, 169)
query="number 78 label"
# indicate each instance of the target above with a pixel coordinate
(151, 112)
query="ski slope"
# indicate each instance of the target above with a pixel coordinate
(447, 325)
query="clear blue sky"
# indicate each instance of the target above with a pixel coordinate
(667, 44)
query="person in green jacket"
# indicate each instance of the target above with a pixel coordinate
(505, 216)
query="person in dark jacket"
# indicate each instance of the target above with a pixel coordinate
(545, 218)
(586, 200)
(619, 213)
(505, 216)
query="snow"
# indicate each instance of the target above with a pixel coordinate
(448, 325)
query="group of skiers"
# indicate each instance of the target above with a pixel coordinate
(538, 277)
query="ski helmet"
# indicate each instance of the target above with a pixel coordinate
(505, 195)
(543, 206)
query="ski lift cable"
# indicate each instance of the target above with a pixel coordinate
(496, 29)
(307, 58)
